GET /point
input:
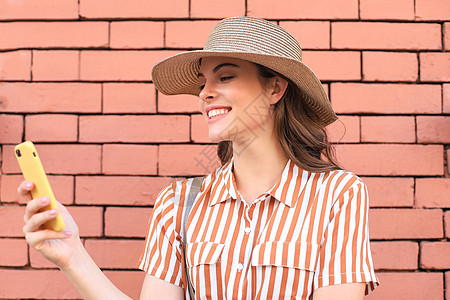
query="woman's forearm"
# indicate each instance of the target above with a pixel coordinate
(89, 280)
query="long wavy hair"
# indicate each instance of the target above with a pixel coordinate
(302, 137)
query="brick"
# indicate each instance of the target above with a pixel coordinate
(345, 130)
(40, 284)
(62, 187)
(187, 160)
(216, 8)
(404, 36)
(56, 65)
(433, 129)
(346, 65)
(386, 98)
(376, 10)
(129, 98)
(134, 9)
(15, 65)
(129, 159)
(129, 282)
(125, 65)
(38, 9)
(395, 255)
(390, 66)
(127, 221)
(117, 190)
(447, 36)
(11, 221)
(60, 159)
(54, 34)
(309, 34)
(50, 97)
(390, 191)
(405, 223)
(199, 129)
(290, 9)
(137, 35)
(37, 261)
(106, 253)
(11, 129)
(179, 33)
(179, 103)
(387, 129)
(89, 220)
(391, 159)
(446, 98)
(8, 189)
(447, 223)
(51, 128)
(408, 286)
(432, 10)
(434, 66)
(435, 255)
(13, 252)
(433, 192)
(139, 129)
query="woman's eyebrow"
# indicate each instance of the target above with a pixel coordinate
(217, 68)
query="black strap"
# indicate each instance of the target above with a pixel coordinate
(193, 192)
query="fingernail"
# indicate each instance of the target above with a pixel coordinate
(53, 212)
(44, 200)
(28, 185)
(68, 233)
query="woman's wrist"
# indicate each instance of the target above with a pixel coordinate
(80, 257)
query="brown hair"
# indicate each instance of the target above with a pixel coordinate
(302, 137)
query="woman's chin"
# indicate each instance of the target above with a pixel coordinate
(215, 138)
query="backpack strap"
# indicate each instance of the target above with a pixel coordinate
(193, 192)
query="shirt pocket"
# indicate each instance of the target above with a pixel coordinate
(203, 253)
(298, 255)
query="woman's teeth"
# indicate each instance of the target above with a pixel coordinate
(217, 112)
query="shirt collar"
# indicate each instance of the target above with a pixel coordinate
(287, 189)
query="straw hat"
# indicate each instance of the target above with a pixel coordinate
(252, 39)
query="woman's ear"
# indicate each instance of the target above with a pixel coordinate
(279, 86)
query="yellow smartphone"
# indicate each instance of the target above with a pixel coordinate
(32, 170)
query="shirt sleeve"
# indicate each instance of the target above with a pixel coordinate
(162, 253)
(345, 255)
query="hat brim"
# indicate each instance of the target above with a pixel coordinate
(178, 74)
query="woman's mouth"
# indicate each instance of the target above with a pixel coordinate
(216, 114)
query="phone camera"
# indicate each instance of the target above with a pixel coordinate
(18, 153)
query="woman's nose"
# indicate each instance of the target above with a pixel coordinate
(208, 92)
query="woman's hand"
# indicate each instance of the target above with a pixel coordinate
(58, 247)
(65, 248)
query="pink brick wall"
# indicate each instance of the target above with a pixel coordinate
(75, 78)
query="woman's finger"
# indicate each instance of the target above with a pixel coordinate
(37, 237)
(24, 190)
(34, 206)
(33, 218)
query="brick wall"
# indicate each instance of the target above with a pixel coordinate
(75, 79)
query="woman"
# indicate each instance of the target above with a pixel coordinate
(278, 220)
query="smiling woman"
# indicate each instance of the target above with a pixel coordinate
(279, 219)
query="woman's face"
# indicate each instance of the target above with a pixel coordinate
(233, 100)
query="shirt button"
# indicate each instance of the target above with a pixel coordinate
(240, 267)
(247, 230)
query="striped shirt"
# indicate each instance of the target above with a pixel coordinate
(307, 231)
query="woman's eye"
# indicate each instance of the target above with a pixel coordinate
(202, 86)
(225, 78)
